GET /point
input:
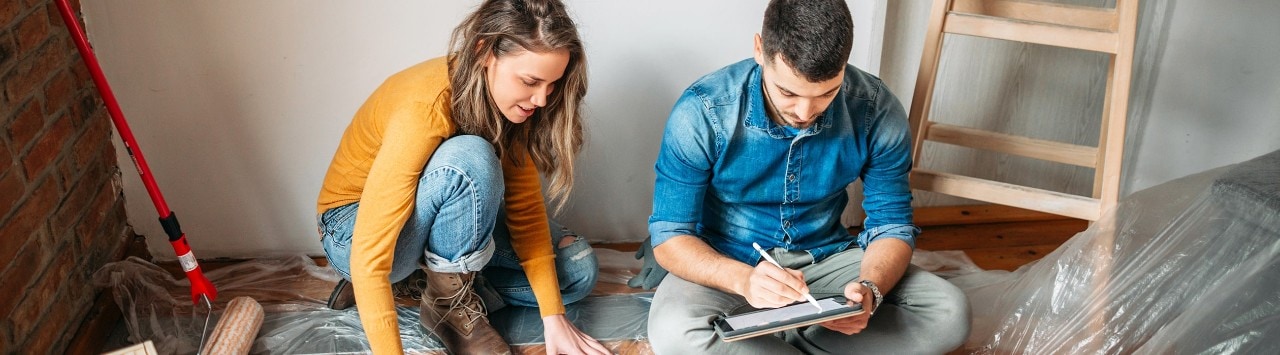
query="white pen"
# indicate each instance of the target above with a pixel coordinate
(768, 258)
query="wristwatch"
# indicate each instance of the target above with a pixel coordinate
(876, 298)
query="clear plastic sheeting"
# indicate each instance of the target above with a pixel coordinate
(1191, 266)
(293, 291)
(158, 307)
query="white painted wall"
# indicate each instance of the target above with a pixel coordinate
(238, 105)
(1215, 97)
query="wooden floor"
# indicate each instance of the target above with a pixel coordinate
(995, 237)
(1001, 238)
(1002, 245)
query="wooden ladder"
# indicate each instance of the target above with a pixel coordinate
(1110, 31)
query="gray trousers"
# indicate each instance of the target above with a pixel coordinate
(924, 314)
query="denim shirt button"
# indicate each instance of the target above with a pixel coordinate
(791, 177)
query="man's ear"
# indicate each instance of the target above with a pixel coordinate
(759, 50)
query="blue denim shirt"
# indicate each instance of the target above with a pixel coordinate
(731, 176)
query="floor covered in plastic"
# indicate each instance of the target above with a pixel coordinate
(1189, 266)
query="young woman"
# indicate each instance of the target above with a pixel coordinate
(442, 152)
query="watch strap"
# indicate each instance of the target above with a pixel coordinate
(876, 297)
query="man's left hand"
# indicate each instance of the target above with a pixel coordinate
(564, 338)
(855, 293)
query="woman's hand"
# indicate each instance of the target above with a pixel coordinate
(564, 338)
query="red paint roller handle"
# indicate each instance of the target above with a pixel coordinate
(199, 284)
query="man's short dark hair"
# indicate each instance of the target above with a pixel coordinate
(813, 36)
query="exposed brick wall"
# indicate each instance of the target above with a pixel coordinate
(61, 207)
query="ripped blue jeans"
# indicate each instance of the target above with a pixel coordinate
(452, 229)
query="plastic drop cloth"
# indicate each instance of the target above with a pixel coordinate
(293, 291)
(1191, 266)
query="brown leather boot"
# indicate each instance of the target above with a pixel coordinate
(344, 296)
(451, 309)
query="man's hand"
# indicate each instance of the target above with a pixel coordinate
(772, 287)
(564, 338)
(855, 293)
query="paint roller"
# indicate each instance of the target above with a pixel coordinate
(237, 329)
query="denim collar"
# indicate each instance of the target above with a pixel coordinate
(758, 117)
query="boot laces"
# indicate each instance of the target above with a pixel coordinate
(410, 287)
(465, 301)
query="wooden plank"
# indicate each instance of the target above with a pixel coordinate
(1118, 108)
(1097, 18)
(1008, 258)
(977, 214)
(921, 102)
(628, 247)
(1031, 32)
(1006, 194)
(620, 347)
(992, 235)
(1098, 172)
(1017, 145)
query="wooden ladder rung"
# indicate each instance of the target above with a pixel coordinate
(1097, 18)
(1065, 153)
(1031, 32)
(1007, 194)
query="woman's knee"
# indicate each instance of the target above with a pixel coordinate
(579, 268)
(469, 154)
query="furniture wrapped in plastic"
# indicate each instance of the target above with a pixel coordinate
(1189, 266)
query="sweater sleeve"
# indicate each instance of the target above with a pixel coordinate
(411, 135)
(530, 232)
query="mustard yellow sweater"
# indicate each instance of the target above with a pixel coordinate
(378, 163)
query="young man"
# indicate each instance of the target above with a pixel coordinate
(762, 151)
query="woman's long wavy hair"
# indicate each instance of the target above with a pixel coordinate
(553, 136)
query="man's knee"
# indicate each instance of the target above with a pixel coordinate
(949, 317)
(954, 327)
(673, 336)
(675, 324)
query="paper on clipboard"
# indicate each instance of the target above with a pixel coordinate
(755, 319)
(761, 322)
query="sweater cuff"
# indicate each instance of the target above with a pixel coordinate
(378, 318)
(541, 272)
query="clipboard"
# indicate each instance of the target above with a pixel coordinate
(766, 321)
